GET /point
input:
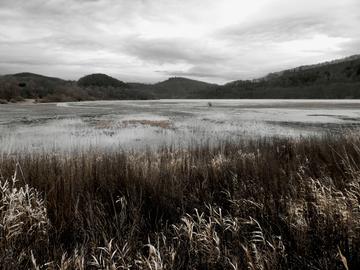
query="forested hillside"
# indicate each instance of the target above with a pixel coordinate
(178, 87)
(21, 86)
(338, 79)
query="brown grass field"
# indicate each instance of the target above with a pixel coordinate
(261, 204)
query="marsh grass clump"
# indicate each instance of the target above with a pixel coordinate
(24, 223)
(261, 204)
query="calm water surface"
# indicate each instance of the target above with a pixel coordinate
(142, 124)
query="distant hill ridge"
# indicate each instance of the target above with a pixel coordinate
(333, 79)
(28, 85)
(306, 67)
(179, 87)
(102, 80)
(33, 75)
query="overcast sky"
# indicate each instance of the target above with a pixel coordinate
(150, 40)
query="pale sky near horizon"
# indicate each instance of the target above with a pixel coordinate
(151, 40)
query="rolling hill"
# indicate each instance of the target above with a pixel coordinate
(178, 87)
(329, 80)
(26, 85)
(173, 88)
(20, 86)
(337, 79)
(101, 87)
(100, 80)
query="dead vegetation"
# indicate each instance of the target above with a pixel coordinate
(110, 124)
(166, 124)
(263, 204)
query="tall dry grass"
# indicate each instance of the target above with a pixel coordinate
(263, 204)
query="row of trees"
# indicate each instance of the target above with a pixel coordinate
(9, 91)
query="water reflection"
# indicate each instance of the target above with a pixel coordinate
(142, 124)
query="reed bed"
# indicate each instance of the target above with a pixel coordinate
(261, 204)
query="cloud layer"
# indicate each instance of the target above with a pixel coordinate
(144, 40)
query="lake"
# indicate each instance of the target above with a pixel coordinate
(150, 124)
